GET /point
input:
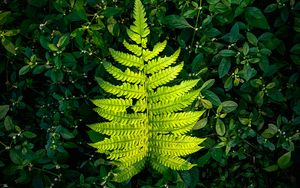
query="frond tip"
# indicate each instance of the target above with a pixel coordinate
(147, 119)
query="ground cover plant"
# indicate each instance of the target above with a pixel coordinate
(245, 54)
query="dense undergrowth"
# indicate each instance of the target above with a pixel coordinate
(246, 54)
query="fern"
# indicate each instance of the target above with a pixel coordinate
(147, 123)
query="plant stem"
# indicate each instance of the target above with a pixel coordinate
(47, 171)
(6, 146)
(197, 19)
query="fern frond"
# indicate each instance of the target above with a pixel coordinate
(127, 90)
(116, 105)
(123, 118)
(163, 150)
(164, 76)
(175, 163)
(175, 141)
(175, 119)
(175, 145)
(159, 47)
(137, 50)
(119, 142)
(140, 26)
(166, 92)
(182, 130)
(126, 59)
(173, 130)
(118, 129)
(127, 76)
(124, 174)
(140, 106)
(150, 121)
(176, 104)
(128, 160)
(116, 154)
(157, 166)
(133, 36)
(159, 64)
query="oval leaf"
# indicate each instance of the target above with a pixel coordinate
(229, 106)
(220, 127)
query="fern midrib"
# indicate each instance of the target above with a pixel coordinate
(146, 90)
(172, 120)
(146, 100)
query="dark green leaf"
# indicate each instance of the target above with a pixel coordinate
(216, 154)
(12, 32)
(56, 76)
(37, 182)
(25, 69)
(203, 160)
(234, 34)
(220, 127)
(295, 49)
(207, 20)
(271, 168)
(98, 40)
(256, 18)
(207, 84)
(248, 72)
(270, 131)
(206, 103)
(15, 157)
(244, 121)
(39, 69)
(29, 134)
(229, 106)
(63, 41)
(52, 47)
(212, 97)
(212, 1)
(270, 8)
(66, 134)
(259, 98)
(196, 64)
(190, 13)
(224, 67)
(8, 45)
(1, 164)
(228, 83)
(44, 42)
(176, 21)
(252, 38)
(95, 136)
(3, 16)
(112, 11)
(186, 176)
(284, 160)
(38, 3)
(200, 124)
(8, 123)
(3, 110)
(276, 95)
(227, 53)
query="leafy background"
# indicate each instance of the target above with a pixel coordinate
(246, 53)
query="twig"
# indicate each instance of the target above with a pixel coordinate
(196, 25)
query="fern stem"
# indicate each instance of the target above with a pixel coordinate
(197, 19)
(47, 171)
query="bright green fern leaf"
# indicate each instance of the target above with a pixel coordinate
(147, 121)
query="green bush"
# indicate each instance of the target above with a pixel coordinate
(246, 54)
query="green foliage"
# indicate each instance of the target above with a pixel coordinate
(242, 51)
(154, 131)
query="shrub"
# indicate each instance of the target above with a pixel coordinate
(245, 53)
